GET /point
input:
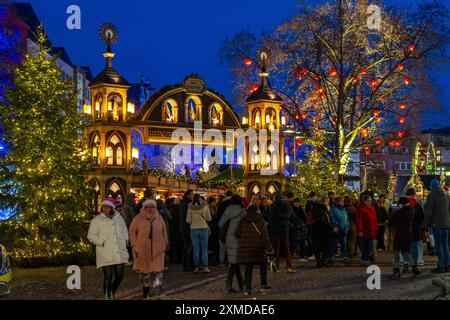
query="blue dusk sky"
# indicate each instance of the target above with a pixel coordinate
(167, 40)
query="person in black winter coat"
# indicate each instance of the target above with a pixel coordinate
(382, 219)
(418, 230)
(320, 234)
(185, 231)
(402, 220)
(298, 230)
(281, 214)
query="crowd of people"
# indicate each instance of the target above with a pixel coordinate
(234, 232)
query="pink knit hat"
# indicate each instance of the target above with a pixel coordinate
(109, 202)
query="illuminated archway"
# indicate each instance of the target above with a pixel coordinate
(256, 118)
(193, 109)
(215, 115)
(95, 148)
(115, 107)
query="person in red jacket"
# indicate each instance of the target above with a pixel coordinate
(366, 228)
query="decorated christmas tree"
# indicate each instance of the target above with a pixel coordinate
(42, 176)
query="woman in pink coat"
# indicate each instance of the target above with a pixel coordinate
(148, 237)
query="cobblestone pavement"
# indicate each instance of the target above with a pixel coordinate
(337, 282)
(50, 283)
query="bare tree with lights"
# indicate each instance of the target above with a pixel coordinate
(346, 85)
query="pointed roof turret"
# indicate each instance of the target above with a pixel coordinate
(109, 75)
(264, 92)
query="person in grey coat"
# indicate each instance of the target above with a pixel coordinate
(234, 213)
(437, 217)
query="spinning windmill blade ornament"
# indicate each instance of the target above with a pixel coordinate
(109, 34)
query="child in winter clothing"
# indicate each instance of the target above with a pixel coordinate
(402, 220)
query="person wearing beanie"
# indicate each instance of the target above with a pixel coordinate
(418, 228)
(149, 193)
(437, 217)
(109, 233)
(281, 214)
(149, 240)
(402, 220)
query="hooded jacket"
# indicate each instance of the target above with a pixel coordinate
(417, 227)
(437, 211)
(339, 218)
(234, 213)
(110, 237)
(281, 213)
(366, 221)
(198, 215)
(254, 239)
(402, 220)
(149, 239)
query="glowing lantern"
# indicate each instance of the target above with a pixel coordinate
(359, 100)
(392, 143)
(135, 153)
(401, 134)
(304, 116)
(376, 112)
(288, 159)
(110, 106)
(400, 67)
(402, 119)
(407, 81)
(316, 77)
(318, 134)
(97, 106)
(367, 150)
(305, 71)
(291, 149)
(322, 95)
(299, 75)
(87, 109)
(320, 89)
(257, 119)
(333, 72)
(402, 106)
(244, 121)
(108, 152)
(379, 119)
(248, 61)
(131, 108)
(378, 141)
(355, 79)
(283, 120)
(412, 47)
(398, 143)
(362, 71)
(297, 116)
(254, 87)
(373, 82)
(364, 132)
(299, 143)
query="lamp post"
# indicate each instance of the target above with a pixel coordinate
(290, 131)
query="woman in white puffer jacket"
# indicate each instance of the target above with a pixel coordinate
(109, 233)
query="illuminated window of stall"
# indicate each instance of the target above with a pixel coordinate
(215, 115)
(193, 109)
(256, 118)
(114, 107)
(170, 111)
(115, 151)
